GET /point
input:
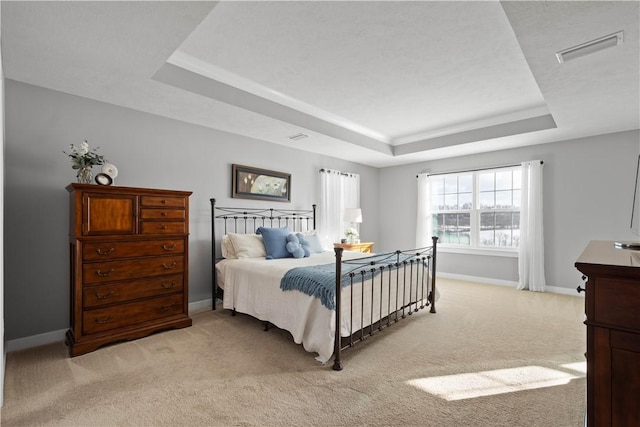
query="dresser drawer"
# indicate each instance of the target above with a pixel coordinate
(113, 250)
(99, 295)
(162, 214)
(103, 272)
(616, 302)
(162, 227)
(161, 201)
(104, 319)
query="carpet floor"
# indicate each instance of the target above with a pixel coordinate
(491, 356)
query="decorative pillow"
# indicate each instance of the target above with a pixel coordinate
(315, 247)
(294, 247)
(275, 241)
(247, 245)
(226, 247)
(306, 246)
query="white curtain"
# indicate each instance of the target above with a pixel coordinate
(338, 190)
(531, 256)
(423, 224)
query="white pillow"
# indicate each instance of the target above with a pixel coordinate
(248, 245)
(309, 232)
(226, 247)
(315, 247)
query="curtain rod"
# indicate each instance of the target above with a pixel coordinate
(338, 172)
(476, 170)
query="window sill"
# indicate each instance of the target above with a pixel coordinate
(477, 251)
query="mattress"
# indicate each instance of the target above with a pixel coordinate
(252, 286)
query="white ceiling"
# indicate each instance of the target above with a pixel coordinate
(380, 83)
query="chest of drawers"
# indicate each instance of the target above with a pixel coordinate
(612, 307)
(129, 264)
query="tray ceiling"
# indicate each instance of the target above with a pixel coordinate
(380, 83)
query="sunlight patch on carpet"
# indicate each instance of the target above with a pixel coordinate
(487, 383)
(577, 366)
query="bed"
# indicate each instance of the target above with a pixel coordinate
(308, 295)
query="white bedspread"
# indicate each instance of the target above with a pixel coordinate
(252, 286)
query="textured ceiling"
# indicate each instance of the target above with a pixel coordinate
(382, 83)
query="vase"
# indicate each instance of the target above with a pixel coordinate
(85, 175)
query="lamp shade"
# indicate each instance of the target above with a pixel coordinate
(353, 215)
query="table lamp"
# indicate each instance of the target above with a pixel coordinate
(353, 216)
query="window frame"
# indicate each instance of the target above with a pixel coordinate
(475, 212)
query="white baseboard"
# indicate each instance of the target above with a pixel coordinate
(507, 283)
(57, 336)
(35, 340)
(564, 291)
(483, 280)
(200, 306)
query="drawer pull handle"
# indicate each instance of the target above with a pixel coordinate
(167, 307)
(172, 265)
(163, 201)
(104, 274)
(169, 248)
(104, 296)
(104, 320)
(164, 227)
(164, 214)
(167, 285)
(107, 252)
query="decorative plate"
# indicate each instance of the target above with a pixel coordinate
(110, 169)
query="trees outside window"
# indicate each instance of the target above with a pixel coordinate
(478, 209)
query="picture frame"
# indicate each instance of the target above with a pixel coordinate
(260, 184)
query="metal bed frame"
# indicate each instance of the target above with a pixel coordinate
(414, 270)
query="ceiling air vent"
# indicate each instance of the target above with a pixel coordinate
(298, 136)
(590, 47)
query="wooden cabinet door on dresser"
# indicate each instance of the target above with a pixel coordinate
(129, 264)
(612, 307)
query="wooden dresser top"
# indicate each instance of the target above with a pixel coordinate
(602, 254)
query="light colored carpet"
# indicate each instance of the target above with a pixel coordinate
(491, 356)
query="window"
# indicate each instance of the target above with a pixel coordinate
(477, 209)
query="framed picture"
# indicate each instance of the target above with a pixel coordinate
(260, 184)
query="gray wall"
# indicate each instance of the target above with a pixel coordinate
(588, 191)
(588, 185)
(149, 151)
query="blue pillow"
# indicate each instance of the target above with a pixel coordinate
(294, 247)
(304, 243)
(275, 241)
(315, 247)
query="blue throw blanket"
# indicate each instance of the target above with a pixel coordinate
(320, 281)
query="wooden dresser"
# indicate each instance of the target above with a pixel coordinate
(613, 334)
(129, 263)
(366, 247)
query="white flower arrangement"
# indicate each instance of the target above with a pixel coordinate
(81, 156)
(351, 232)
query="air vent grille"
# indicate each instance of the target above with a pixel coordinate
(590, 47)
(298, 136)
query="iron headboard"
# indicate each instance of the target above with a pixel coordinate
(247, 220)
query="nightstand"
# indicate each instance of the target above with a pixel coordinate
(366, 247)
